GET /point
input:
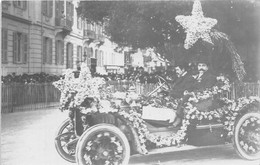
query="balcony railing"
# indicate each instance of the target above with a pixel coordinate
(89, 34)
(100, 37)
(63, 23)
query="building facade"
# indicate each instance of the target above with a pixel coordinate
(48, 36)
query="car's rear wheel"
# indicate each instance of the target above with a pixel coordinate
(246, 137)
(103, 144)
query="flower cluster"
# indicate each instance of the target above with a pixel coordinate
(222, 86)
(74, 91)
(159, 102)
(251, 144)
(234, 109)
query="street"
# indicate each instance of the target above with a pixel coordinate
(27, 138)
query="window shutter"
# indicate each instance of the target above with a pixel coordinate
(81, 59)
(78, 53)
(68, 14)
(56, 52)
(72, 12)
(15, 3)
(44, 50)
(57, 9)
(44, 7)
(14, 47)
(24, 5)
(3, 41)
(62, 53)
(25, 47)
(50, 51)
(71, 57)
(4, 45)
(51, 8)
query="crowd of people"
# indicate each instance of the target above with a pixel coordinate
(29, 78)
(139, 75)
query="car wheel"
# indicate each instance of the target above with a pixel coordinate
(246, 139)
(103, 144)
(63, 136)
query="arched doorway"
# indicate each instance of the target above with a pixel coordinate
(69, 55)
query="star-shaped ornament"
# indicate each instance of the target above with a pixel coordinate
(196, 26)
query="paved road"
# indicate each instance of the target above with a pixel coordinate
(27, 139)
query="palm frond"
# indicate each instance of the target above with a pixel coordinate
(220, 38)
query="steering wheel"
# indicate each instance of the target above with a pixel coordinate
(161, 84)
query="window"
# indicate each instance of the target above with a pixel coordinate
(69, 55)
(47, 50)
(20, 47)
(59, 60)
(89, 25)
(79, 54)
(47, 8)
(20, 4)
(96, 53)
(89, 53)
(100, 58)
(4, 45)
(79, 23)
(69, 10)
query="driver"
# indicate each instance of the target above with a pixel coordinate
(184, 82)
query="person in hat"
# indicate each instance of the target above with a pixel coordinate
(184, 82)
(204, 79)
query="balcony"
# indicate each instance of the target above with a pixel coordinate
(63, 26)
(100, 37)
(5, 6)
(89, 34)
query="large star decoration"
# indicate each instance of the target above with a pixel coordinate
(196, 26)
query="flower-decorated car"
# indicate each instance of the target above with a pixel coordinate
(107, 128)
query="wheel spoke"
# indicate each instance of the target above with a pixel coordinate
(109, 148)
(249, 135)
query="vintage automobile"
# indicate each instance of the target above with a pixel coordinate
(108, 130)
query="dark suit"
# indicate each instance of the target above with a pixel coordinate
(207, 80)
(183, 83)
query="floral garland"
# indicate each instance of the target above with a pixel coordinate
(76, 90)
(226, 113)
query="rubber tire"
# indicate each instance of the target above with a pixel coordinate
(58, 147)
(97, 128)
(235, 139)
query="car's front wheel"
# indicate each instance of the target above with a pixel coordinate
(246, 137)
(103, 144)
(64, 135)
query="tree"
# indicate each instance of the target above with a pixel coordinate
(143, 24)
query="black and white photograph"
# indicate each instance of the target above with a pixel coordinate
(130, 82)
